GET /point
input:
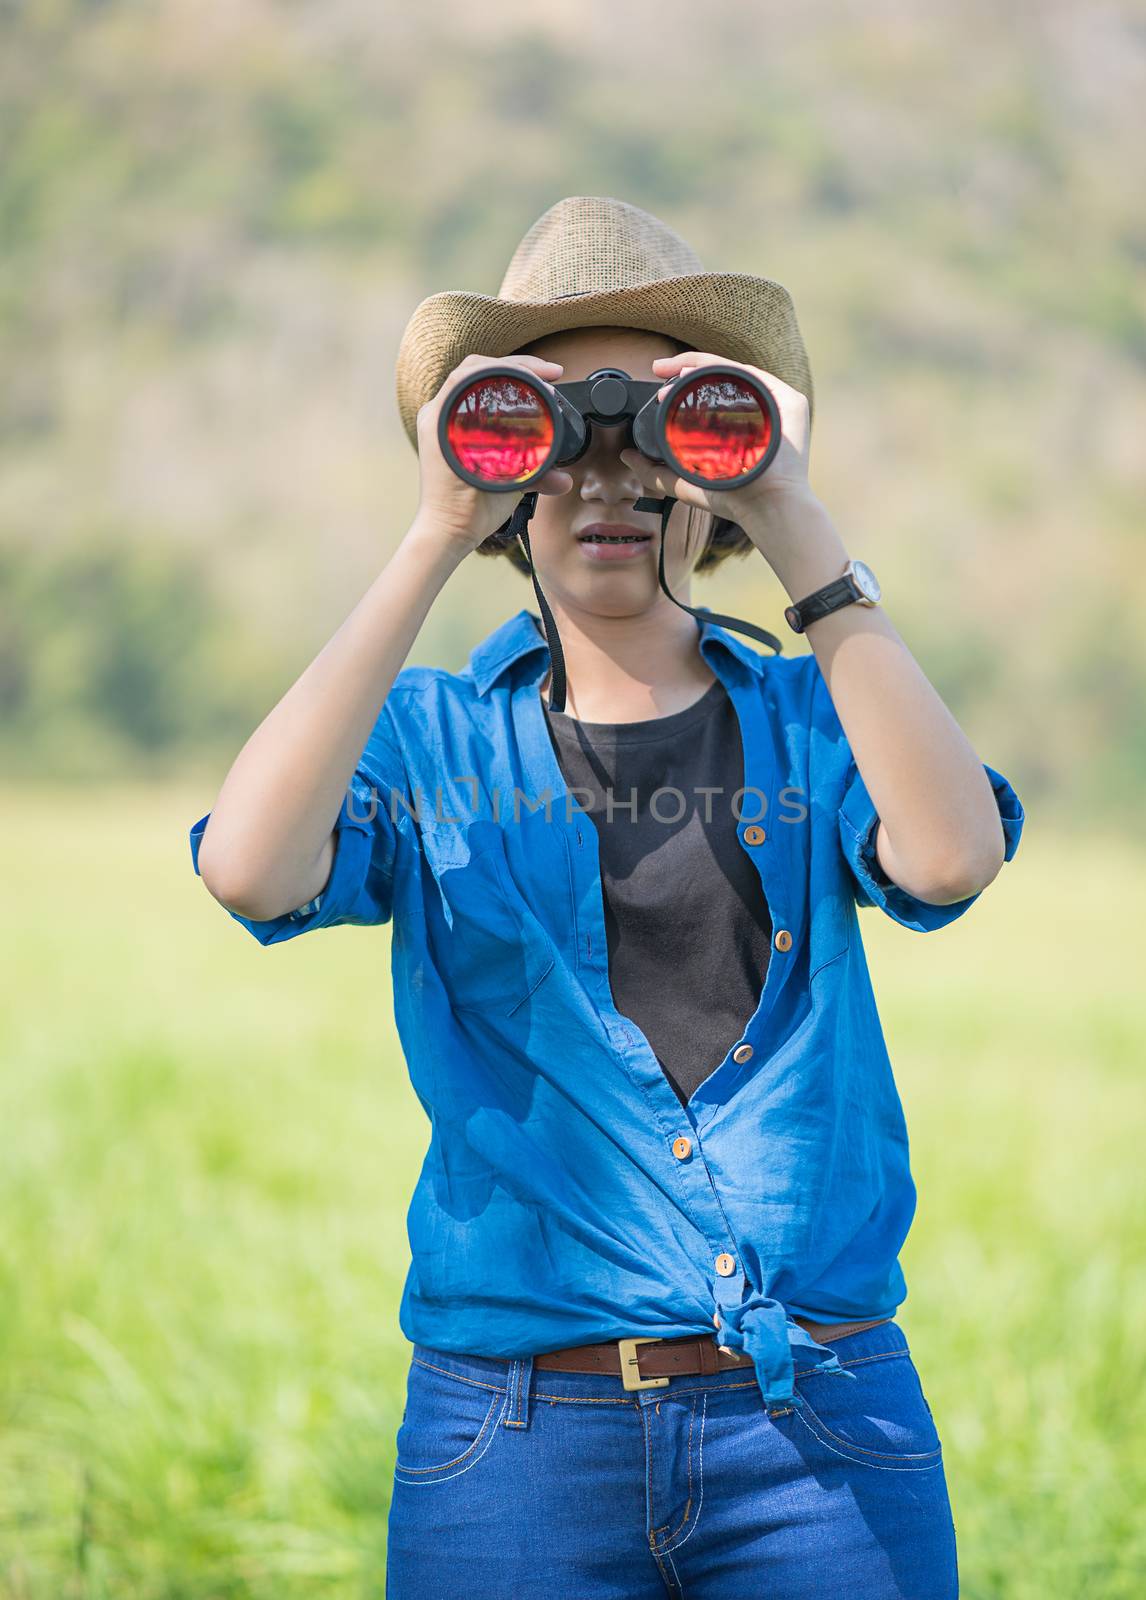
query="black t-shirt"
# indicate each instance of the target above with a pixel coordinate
(687, 922)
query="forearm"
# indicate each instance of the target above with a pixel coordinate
(940, 835)
(268, 847)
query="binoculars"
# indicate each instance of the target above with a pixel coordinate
(502, 429)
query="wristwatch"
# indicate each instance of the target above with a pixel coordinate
(859, 585)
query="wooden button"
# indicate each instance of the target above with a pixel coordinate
(783, 939)
(754, 835)
(725, 1265)
(743, 1052)
(681, 1147)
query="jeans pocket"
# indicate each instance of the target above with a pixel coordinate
(878, 1418)
(448, 1426)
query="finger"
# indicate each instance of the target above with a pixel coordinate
(783, 393)
(476, 359)
(539, 362)
(695, 358)
(692, 358)
(555, 482)
(550, 370)
(656, 476)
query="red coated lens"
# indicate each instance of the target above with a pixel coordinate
(717, 427)
(500, 429)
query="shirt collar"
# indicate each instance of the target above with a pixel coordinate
(522, 634)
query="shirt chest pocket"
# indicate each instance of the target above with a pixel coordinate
(831, 930)
(490, 949)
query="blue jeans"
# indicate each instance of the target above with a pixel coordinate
(517, 1483)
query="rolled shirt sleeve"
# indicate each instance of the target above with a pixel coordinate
(859, 824)
(360, 888)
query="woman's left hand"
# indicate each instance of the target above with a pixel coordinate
(756, 503)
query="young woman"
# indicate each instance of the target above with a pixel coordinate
(655, 1237)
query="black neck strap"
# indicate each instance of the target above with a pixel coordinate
(665, 508)
(518, 527)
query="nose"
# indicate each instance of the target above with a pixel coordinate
(604, 475)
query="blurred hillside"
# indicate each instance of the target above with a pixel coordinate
(217, 217)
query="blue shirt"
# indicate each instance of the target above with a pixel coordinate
(566, 1195)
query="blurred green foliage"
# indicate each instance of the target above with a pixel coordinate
(105, 656)
(216, 224)
(204, 1247)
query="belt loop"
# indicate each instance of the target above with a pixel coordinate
(709, 1360)
(520, 1392)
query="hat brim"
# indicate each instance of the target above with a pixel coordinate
(733, 314)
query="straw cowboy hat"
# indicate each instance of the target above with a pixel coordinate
(591, 260)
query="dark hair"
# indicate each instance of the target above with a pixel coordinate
(727, 538)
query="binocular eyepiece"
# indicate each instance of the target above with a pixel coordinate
(502, 429)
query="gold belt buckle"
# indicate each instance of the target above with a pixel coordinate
(630, 1371)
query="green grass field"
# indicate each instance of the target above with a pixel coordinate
(209, 1148)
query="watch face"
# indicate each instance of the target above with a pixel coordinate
(866, 580)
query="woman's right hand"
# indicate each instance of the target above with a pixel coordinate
(448, 506)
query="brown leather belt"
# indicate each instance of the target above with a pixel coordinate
(649, 1362)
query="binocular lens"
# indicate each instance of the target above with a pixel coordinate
(500, 429)
(717, 427)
